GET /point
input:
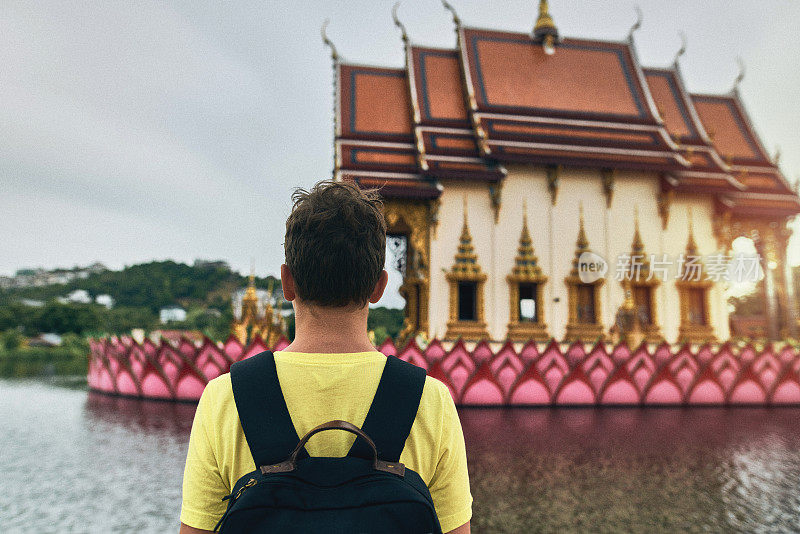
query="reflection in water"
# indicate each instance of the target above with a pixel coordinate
(635, 470)
(78, 462)
(151, 417)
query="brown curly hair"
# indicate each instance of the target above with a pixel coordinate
(335, 243)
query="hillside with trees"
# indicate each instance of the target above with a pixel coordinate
(139, 291)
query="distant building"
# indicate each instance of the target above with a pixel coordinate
(45, 340)
(105, 300)
(174, 313)
(79, 296)
(32, 303)
(212, 264)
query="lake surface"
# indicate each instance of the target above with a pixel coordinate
(73, 461)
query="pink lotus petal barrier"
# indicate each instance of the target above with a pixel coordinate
(492, 374)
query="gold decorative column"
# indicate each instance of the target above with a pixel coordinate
(581, 324)
(413, 219)
(526, 270)
(466, 271)
(693, 290)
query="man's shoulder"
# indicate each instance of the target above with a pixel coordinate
(435, 397)
(217, 390)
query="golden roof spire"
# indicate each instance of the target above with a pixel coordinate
(582, 242)
(691, 245)
(327, 42)
(250, 293)
(466, 259)
(637, 247)
(545, 30)
(400, 25)
(452, 10)
(526, 262)
(581, 245)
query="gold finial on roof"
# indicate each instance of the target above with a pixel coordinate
(452, 10)
(637, 24)
(545, 30)
(682, 49)
(327, 42)
(740, 75)
(403, 33)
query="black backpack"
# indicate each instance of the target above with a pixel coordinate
(368, 490)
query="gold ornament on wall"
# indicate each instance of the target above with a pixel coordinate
(639, 286)
(466, 270)
(412, 219)
(694, 294)
(526, 270)
(579, 327)
(607, 176)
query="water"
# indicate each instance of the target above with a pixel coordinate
(73, 461)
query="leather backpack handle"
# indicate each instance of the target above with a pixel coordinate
(290, 463)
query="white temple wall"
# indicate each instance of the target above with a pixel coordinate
(524, 184)
(444, 245)
(554, 230)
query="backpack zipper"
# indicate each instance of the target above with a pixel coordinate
(250, 483)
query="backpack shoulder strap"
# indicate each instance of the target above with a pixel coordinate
(265, 418)
(393, 410)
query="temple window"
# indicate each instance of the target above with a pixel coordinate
(585, 306)
(525, 288)
(528, 311)
(694, 292)
(643, 304)
(467, 300)
(583, 322)
(697, 306)
(636, 319)
(466, 281)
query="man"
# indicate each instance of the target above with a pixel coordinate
(335, 251)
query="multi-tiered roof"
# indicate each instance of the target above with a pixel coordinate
(503, 97)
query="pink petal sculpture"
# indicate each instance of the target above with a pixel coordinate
(478, 375)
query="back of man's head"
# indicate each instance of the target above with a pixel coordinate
(335, 244)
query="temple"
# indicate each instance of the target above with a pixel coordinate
(502, 160)
(254, 316)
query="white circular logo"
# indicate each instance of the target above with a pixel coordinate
(591, 267)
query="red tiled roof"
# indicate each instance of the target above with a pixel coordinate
(584, 79)
(735, 140)
(448, 145)
(499, 97)
(437, 87)
(374, 103)
(536, 107)
(673, 105)
(707, 172)
(729, 129)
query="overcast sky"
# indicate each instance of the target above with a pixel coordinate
(140, 130)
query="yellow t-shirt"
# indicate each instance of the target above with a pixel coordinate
(319, 388)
